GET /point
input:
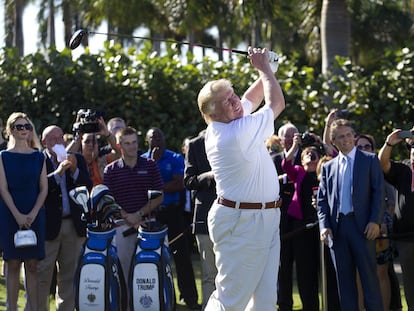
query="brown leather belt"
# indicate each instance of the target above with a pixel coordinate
(247, 205)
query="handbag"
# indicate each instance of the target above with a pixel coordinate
(25, 238)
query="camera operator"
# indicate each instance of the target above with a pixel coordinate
(305, 245)
(87, 131)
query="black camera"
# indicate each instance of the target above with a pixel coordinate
(342, 114)
(307, 140)
(87, 121)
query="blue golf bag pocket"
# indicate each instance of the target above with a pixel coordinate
(99, 282)
(150, 279)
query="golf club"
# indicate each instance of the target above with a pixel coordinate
(152, 194)
(78, 36)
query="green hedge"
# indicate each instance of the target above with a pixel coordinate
(149, 90)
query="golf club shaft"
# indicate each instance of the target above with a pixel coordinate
(170, 41)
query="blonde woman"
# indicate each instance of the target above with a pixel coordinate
(23, 189)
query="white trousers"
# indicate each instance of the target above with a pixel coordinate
(247, 248)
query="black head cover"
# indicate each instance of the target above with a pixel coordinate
(77, 38)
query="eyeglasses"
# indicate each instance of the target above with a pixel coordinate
(21, 127)
(364, 147)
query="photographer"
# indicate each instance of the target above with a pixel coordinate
(400, 174)
(88, 127)
(305, 245)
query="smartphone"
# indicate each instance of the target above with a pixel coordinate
(405, 134)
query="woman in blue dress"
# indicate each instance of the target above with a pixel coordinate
(23, 189)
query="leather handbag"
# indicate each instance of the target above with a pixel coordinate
(25, 238)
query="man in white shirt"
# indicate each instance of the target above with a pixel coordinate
(244, 220)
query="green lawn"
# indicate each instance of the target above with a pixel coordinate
(180, 307)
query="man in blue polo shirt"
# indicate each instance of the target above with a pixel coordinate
(171, 212)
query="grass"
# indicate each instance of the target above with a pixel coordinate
(180, 307)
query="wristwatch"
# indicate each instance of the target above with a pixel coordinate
(140, 213)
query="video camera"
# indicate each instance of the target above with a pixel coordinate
(87, 121)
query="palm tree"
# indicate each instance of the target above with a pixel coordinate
(13, 17)
(335, 32)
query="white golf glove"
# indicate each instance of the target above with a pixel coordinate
(274, 61)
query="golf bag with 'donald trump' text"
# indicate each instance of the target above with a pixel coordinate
(99, 280)
(150, 279)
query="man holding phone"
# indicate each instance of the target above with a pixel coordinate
(401, 176)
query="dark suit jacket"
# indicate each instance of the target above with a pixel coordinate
(198, 179)
(53, 202)
(367, 194)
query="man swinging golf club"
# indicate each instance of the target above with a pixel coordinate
(244, 220)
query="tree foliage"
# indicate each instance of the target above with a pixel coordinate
(151, 90)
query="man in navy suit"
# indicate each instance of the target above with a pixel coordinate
(65, 231)
(351, 225)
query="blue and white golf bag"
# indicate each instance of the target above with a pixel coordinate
(150, 279)
(99, 280)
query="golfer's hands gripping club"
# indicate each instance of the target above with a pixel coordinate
(258, 62)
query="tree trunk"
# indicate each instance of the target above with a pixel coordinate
(51, 24)
(335, 32)
(18, 26)
(9, 23)
(67, 21)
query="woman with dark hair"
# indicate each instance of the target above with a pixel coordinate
(23, 189)
(302, 214)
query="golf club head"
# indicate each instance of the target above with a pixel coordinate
(111, 210)
(153, 194)
(97, 193)
(105, 200)
(77, 38)
(80, 195)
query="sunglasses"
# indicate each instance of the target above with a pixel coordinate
(21, 127)
(364, 147)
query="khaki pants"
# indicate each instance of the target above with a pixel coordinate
(64, 250)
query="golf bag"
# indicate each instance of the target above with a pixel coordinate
(99, 280)
(150, 279)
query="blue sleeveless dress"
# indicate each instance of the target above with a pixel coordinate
(22, 174)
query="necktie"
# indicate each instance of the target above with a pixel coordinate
(346, 197)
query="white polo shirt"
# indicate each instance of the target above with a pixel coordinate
(242, 166)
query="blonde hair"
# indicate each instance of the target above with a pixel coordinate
(321, 162)
(34, 141)
(208, 95)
